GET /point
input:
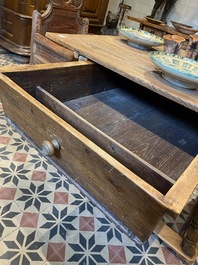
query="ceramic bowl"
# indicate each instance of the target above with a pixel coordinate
(186, 30)
(176, 69)
(140, 38)
(178, 24)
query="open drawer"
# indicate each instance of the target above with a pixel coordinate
(131, 149)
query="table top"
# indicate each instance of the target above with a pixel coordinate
(114, 53)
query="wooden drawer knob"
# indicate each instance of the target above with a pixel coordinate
(50, 147)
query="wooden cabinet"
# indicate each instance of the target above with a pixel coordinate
(16, 20)
(16, 23)
(95, 11)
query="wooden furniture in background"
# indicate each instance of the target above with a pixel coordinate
(117, 124)
(16, 23)
(16, 20)
(95, 11)
(60, 17)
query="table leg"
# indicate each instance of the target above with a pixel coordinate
(190, 239)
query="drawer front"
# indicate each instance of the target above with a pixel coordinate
(134, 203)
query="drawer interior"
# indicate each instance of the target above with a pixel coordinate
(161, 133)
(151, 135)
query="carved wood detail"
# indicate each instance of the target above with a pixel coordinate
(60, 17)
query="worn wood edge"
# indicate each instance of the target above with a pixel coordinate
(36, 25)
(174, 240)
(48, 45)
(186, 184)
(41, 67)
(141, 184)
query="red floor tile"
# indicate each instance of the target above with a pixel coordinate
(86, 223)
(61, 198)
(7, 193)
(29, 220)
(39, 176)
(20, 157)
(117, 254)
(56, 252)
(4, 140)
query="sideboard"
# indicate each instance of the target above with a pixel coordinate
(16, 23)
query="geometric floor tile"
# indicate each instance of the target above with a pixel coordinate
(20, 157)
(22, 247)
(60, 198)
(4, 140)
(29, 220)
(39, 176)
(86, 250)
(86, 223)
(34, 197)
(10, 216)
(57, 224)
(7, 193)
(116, 254)
(56, 252)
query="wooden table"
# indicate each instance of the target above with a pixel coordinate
(161, 27)
(114, 53)
(99, 165)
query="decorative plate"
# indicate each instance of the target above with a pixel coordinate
(154, 21)
(186, 30)
(177, 69)
(140, 38)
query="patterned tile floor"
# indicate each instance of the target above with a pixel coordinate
(45, 219)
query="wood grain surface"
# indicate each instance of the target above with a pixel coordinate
(114, 53)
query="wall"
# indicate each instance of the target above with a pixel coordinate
(184, 11)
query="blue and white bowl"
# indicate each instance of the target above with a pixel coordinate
(140, 38)
(176, 69)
